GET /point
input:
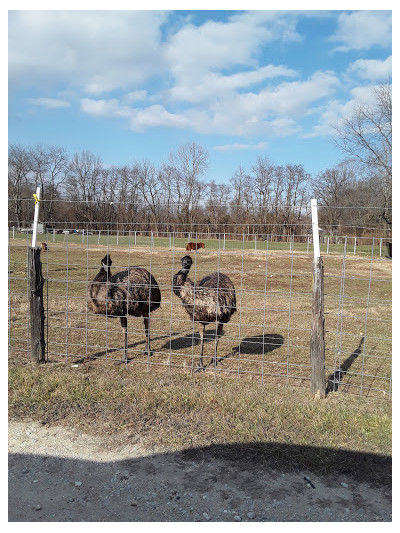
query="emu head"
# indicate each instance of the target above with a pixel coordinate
(186, 263)
(106, 263)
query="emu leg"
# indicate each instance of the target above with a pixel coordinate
(220, 332)
(202, 330)
(146, 321)
(124, 325)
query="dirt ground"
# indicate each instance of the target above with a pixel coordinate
(62, 475)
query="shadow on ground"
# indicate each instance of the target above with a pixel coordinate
(257, 481)
(336, 378)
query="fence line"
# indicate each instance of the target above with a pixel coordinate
(267, 338)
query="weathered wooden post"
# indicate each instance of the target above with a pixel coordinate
(317, 344)
(36, 282)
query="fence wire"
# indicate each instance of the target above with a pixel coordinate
(268, 338)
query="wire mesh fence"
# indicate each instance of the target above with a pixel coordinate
(267, 338)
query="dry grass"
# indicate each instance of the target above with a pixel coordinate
(258, 394)
(268, 337)
(176, 411)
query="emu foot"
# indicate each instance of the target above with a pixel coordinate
(199, 368)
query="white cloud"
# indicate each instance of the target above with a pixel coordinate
(139, 119)
(105, 108)
(194, 50)
(157, 115)
(211, 86)
(97, 50)
(289, 99)
(360, 30)
(272, 112)
(262, 145)
(333, 112)
(373, 69)
(134, 96)
(49, 103)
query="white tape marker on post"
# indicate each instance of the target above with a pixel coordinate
(315, 229)
(36, 197)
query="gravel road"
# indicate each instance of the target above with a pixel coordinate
(57, 474)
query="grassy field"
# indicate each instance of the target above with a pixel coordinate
(176, 411)
(257, 395)
(251, 243)
(267, 339)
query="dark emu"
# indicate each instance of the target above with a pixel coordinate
(132, 292)
(211, 301)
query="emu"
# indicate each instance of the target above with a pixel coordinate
(130, 292)
(211, 301)
(43, 246)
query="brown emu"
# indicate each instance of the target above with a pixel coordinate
(211, 301)
(130, 292)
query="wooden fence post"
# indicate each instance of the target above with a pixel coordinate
(317, 343)
(36, 308)
(36, 282)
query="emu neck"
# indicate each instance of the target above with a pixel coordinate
(180, 279)
(103, 276)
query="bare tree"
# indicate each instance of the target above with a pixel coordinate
(296, 181)
(366, 137)
(48, 166)
(263, 172)
(242, 204)
(330, 188)
(19, 167)
(82, 185)
(151, 189)
(216, 208)
(190, 163)
(57, 162)
(128, 193)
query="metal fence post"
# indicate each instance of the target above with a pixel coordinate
(317, 344)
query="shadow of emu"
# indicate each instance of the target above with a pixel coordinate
(335, 379)
(186, 341)
(259, 344)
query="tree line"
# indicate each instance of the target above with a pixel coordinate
(80, 190)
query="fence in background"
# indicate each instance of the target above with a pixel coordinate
(268, 338)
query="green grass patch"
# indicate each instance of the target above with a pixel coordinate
(177, 411)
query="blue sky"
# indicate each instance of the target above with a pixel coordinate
(134, 85)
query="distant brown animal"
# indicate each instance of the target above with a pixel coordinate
(44, 247)
(194, 246)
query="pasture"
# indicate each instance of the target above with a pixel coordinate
(267, 339)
